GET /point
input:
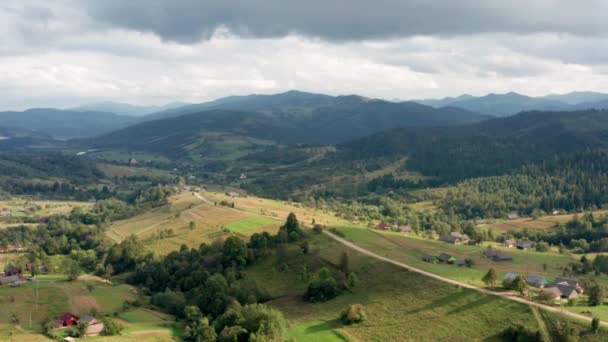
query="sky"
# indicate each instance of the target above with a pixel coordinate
(64, 53)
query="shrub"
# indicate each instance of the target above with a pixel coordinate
(521, 333)
(542, 247)
(353, 314)
(111, 327)
(323, 288)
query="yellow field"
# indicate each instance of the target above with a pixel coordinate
(278, 209)
(210, 223)
(22, 208)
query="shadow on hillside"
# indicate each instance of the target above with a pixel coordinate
(443, 301)
(323, 326)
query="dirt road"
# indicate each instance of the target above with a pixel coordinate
(509, 296)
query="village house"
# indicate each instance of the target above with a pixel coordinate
(67, 320)
(233, 194)
(512, 216)
(497, 255)
(455, 238)
(525, 244)
(405, 228)
(562, 291)
(573, 283)
(510, 243)
(5, 212)
(94, 326)
(8, 248)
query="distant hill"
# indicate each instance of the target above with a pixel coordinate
(489, 147)
(426, 156)
(578, 97)
(126, 108)
(288, 118)
(64, 124)
(11, 137)
(288, 103)
(512, 103)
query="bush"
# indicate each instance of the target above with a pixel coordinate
(542, 247)
(354, 314)
(111, 327)
(317, 229)
(521, 333)
(323, 288)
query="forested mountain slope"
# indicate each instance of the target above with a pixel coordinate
(345, 119)
(439, 156)
(64, 123)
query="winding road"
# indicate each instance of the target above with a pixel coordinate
(505, 295)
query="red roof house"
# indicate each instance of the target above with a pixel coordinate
(67, 320)
(383, 226)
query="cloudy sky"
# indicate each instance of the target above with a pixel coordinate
(63, 53)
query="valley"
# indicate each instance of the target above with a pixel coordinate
(255, 207)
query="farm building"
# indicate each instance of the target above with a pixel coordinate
(12, 270)
(497, 255)
(5, 212)
(455, 238)
(525, 244)
(537, 280)
(12, 280)
(430, 258)
(405, 229)
(510, 277)
(510, 243)
(447, 258)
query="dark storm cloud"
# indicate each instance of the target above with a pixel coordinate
(189, 21)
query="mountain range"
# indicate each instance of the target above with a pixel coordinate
(513, 103)
(287, 118)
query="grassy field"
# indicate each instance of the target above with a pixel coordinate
(22, 208)
(400, 305)
(48, 299)
(410, 249)
(51, 298)
(250, 223)
(541, 223)
(140, 316)
(113, 170)
(317, 331)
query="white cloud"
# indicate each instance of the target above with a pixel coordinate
(67, 58)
